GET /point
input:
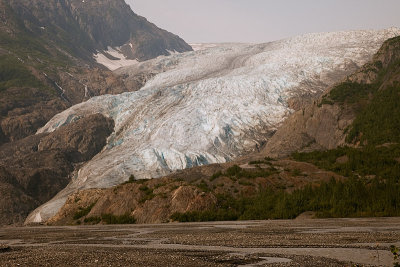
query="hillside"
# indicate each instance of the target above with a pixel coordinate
(34, 169)
(47, 51)
(194, 113)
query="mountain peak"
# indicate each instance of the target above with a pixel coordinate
(94, 26)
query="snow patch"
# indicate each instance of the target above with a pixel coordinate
(113, 64)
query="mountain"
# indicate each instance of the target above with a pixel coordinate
(83, 28)
(353, 131)
(210, 106)
(48, 50)
(49, 53)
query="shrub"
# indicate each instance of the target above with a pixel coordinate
(148, 193)
(378, 161)
(132, 179)
(83, 211)
(122, 219)
(245, 183)
(216, 175)
(396, 255)
(92, 220)
(14, 74)
(203, 186)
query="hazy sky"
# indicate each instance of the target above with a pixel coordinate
(264, 20)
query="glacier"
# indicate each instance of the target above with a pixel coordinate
(209, 106)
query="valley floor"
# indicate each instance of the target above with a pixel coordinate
(301, 242)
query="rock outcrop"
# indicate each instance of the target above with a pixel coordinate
(86, 137)
(34, 169)
(311, 128)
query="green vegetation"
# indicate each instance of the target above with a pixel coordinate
(325, 101)
(351, 198)
(122, 219)
(297, 172)
(203, 186)
(236, 172)
(111, 219)
(266, 160)
(46, 51)
(83, 211)
(376, 105)
(35, 51)
(372, 161)
(245, 183)
(205, 216)
(379, 122)
(396, 255)
(131, 180)
(14, 74)
(395, 251)
(350, 93)
(148, 193)
(216, 175)
(92, 220)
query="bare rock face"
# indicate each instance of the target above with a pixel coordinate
(313, 127)
(24, 110)
(34, 169)
(15, 204)
(112, 23)
(87, 137)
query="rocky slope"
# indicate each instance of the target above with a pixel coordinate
(211, 106)
(191, 190)
(326, 122)
(47, 59)
(34, 169)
